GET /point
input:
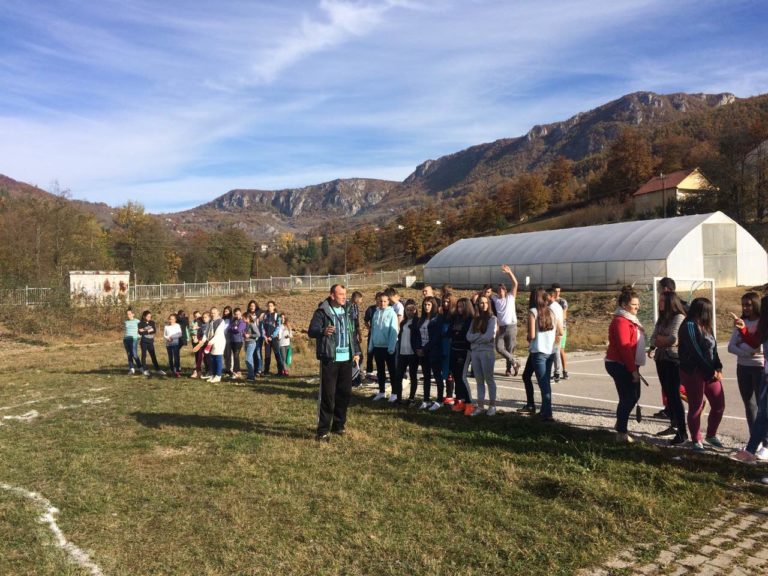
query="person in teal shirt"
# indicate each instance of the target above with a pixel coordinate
(131, 341)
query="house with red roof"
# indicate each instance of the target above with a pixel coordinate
(670, 189)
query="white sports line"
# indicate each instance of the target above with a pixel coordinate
(604, 401)
(77, 555)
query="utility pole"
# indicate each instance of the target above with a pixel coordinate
(663, 195)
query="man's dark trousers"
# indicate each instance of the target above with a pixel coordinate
(335, 392)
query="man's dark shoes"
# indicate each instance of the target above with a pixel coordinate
(323, 438)
(339, 432)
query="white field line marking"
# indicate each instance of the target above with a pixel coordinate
(27, 403)
(31, 415)
(48, 517)
(646, 376)
(613, 402)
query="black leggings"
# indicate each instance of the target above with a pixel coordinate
(458, 363)
(274, 346)
(408, 363)
(236, 347)
(669, 376)
(148, 346)
(528, 382)
(431, 367)
(386, 360)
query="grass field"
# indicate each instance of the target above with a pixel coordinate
(174, 476)
(167, 476)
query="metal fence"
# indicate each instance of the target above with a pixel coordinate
(191, 290)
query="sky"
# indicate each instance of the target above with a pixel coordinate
(174, 103)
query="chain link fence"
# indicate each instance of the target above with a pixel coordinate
(191, 290)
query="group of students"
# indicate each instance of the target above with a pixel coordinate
(684, 349)
(217, 341)
(453, 339)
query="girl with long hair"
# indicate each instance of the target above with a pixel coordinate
(481, 337)
(429, 349)
(407, 361)
(544, 329)
(664, 351)
(745, 344)
(701, 372)
(460, 354)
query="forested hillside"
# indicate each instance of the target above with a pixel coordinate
(573, 173)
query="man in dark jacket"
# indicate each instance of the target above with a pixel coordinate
(337, 349)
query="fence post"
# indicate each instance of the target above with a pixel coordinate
(271, 285)
(184, 290)
(161, 290)
(381, 278)
(250, 285)
(26, 295)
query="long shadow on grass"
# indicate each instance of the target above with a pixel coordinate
(161, 419)
(527, 436)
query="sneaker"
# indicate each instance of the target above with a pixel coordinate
(424, 405)
(491, 411)
(714, 441)
(131, 371)
(379, 396)
(565, 375)
(458, 406)
(177, 374)
(215, 380)
(508, 373)
(146, 372)
(678, 439)
(698, 447)
(194, 374)
(744, 456)
(285, 373)
(392, 398)
(762, 454)
(339, 432)
(670, 431)
(435, 406)
(516, 368)
(468, 409)
(527, 410)
(624, 438)
(661, 414)
(448, 401)
(160, 373)
(323, 438)
(556, 377)
(477, 411)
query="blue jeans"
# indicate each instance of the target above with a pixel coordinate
(628, 393)
(542, 367)
(217, 364)
(760, 426)
(253, 361)
(174, 357)
(132, 351)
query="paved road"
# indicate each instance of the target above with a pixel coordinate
(590, 390)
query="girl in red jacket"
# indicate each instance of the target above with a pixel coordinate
(626, 353)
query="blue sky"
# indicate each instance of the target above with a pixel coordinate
(174, 103)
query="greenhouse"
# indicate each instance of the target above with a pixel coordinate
(609, 255)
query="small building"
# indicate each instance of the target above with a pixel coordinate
(609, 255)
(99, 285)
(670, 189)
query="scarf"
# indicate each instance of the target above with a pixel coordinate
(640, 348)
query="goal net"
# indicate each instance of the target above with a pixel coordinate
(687, 288)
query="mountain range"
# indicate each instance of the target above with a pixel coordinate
(265, 214)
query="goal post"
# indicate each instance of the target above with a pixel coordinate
(688, 289)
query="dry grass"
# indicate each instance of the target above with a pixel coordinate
(174, 476)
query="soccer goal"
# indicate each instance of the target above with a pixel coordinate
(688, 289)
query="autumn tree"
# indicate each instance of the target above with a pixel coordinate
(560, 178)
(139, 242)
(629, 164)
(532, 194)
